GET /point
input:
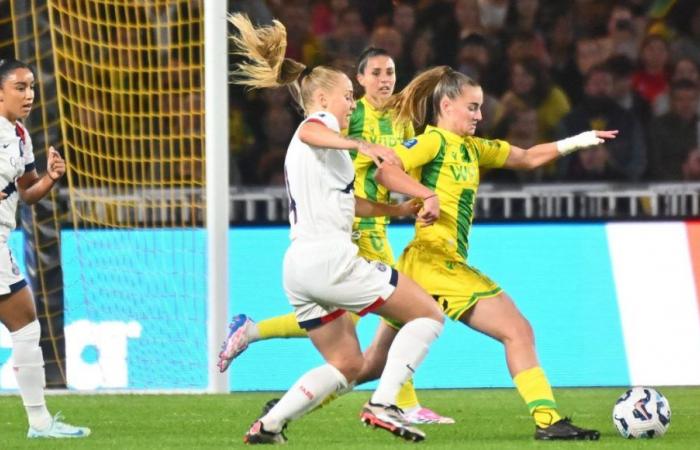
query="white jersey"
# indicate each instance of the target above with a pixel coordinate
(320, 187)
(16, 158)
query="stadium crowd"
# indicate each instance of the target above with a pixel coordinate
(549, 69)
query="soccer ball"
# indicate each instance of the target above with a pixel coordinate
(641, 412)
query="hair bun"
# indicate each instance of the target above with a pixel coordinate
(290, 71)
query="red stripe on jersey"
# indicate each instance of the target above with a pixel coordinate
(377, 303)
(315, 120)
(19, 130)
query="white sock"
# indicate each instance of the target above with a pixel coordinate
(252, 333)
(29, 370)
(308, 392)
(405, 355)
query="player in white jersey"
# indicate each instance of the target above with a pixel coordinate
(323, 275)
(19, 180)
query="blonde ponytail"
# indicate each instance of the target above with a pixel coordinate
(266, 67)
(430, 86)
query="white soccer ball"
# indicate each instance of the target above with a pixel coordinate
(641, 412)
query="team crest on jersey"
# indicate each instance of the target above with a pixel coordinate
(410, 143)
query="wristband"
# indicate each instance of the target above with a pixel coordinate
(581, 140)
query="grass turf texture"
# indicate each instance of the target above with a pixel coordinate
(486, 419)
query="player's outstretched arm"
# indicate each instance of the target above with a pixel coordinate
(541, 154)
(318, 135)
(32, 187)
(396, 180)
(368, 208)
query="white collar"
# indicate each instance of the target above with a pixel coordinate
(6, 125)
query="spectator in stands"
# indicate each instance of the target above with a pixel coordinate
(474, 60)
(683, 69)
(560, 43)
(527, 44)
(691, 166)
(530, 86)
(493, 15)
(278, 126)
(588, 53)
(688, 43)
(674, 134)
(349, 37)
(523, 15)
(622, 68)
(651, 79)
(325, 14)
(625, 157)
(422, 53)
(623, 36)
(466, 13)
(302, 44)
(404, 20)
(520, 128)
(389, 38)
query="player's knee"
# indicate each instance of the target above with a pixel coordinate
(431, 310)
(521, 331)
(350, 367)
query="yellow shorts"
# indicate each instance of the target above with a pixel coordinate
(456, 286)
(374, 245)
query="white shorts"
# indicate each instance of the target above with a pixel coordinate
(11, 279)
(324, 279)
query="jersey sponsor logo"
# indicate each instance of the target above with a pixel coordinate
(462, 173)
(389, 141)
(381, 267)
(410, 143)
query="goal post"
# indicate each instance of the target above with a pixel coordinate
(217, 179)
(147, 290)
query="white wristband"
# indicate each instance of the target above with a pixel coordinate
(581, 140)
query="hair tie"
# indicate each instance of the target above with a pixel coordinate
(306, 72)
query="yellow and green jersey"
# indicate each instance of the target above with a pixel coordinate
(371, 125)
(449, 164)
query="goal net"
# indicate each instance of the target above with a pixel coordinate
(129, 82)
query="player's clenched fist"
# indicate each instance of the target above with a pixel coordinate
(55, 165)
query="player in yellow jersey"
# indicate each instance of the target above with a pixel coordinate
(371, 123)
(447, 158)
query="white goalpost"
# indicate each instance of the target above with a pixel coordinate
(217, 191)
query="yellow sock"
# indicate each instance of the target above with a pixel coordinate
(285, 326)
(407, 398)
(534, 388)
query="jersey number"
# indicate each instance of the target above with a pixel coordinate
(292, 202)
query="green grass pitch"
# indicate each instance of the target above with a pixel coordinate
(486, 419)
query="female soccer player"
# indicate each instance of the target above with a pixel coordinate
(323, 276)
(19, 179)
(376, 73)
(448, 157)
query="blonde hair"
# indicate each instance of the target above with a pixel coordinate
(433, 84)
(266, 67)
